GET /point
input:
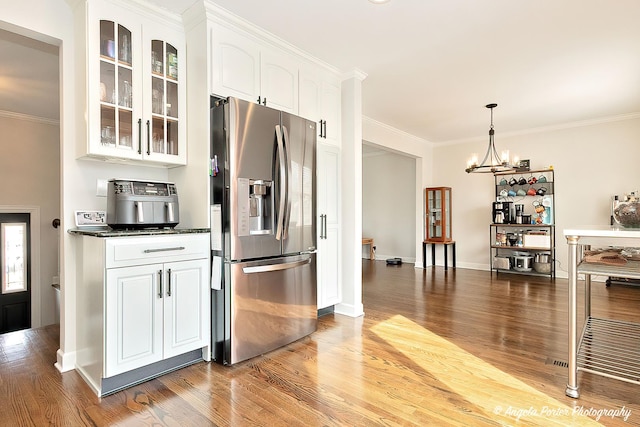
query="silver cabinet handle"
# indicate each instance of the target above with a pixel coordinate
(177, 248)
(160, 282)
(169, 282)
(275, 267)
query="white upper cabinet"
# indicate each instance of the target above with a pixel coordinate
(320, 101)
(135, 87)
(235, 65)
(248, 69)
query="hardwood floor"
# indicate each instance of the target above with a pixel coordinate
(436, 348)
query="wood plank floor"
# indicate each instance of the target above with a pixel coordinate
(438, 348)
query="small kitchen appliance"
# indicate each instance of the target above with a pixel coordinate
(502, 212)
(134, 204)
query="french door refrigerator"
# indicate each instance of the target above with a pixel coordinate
(263, 231)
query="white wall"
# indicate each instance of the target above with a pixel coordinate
(592, 162)
(389, 205)
(52, 21)
(30, 170)
(395, 140)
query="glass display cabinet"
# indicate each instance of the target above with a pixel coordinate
(438, 211)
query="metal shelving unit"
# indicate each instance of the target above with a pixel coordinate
(606, 347)
(532, 180)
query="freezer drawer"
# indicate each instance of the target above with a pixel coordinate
(272, 303)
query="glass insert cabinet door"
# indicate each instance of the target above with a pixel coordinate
(164, 99)
(116, 86)
(438, 213)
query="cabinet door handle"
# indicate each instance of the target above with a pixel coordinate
(148, 137)
(259, 100)
(176, 248)
(169, 282)
(139, 136)
(325, 130)
(320, 123)
(160, 283)
(325, 227)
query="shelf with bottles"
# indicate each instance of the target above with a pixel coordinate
(523, 248)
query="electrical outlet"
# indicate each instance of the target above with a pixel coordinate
(101, 187)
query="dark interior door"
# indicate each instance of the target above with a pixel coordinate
(15, 265)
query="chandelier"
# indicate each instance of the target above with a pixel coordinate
(491, 163)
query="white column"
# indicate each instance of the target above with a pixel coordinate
(351, 170)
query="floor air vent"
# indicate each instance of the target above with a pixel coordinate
(556, 362)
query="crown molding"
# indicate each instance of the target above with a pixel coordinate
(543, 129)
(416, 139)
(29, 118)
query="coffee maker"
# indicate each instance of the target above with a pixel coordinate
(502, 212)
(519, 213)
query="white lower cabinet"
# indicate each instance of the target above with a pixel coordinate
(143, 307)
(153, 312)
(328, 193)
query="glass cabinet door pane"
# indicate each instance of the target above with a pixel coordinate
(172, 137)
(125, 89)
(125, 129)
(172, 62)
(157, 96)
(107, 126)
(107, 39)
(172, 99)
(447, 209)
(124, 45)
(157, 56)
(157, 135)
(107, 82)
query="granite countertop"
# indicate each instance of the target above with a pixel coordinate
(110, 232)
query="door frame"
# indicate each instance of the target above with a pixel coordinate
(34, 212)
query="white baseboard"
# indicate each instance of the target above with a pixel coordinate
(349, 310)
(66, 361)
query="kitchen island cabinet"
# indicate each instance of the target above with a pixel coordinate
(606, 347)
(143, 307)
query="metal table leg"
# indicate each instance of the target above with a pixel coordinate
(572, 382)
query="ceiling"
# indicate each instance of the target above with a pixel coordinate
(432, 65)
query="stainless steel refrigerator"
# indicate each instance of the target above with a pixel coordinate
(263, 231)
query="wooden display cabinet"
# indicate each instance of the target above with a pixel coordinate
(438, 211)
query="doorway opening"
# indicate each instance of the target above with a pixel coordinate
(389, 203)
(15, 265)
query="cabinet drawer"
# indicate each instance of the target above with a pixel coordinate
(127, 251)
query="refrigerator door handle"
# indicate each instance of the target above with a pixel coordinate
(285, 230)
(275, 267)
(283, 188)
